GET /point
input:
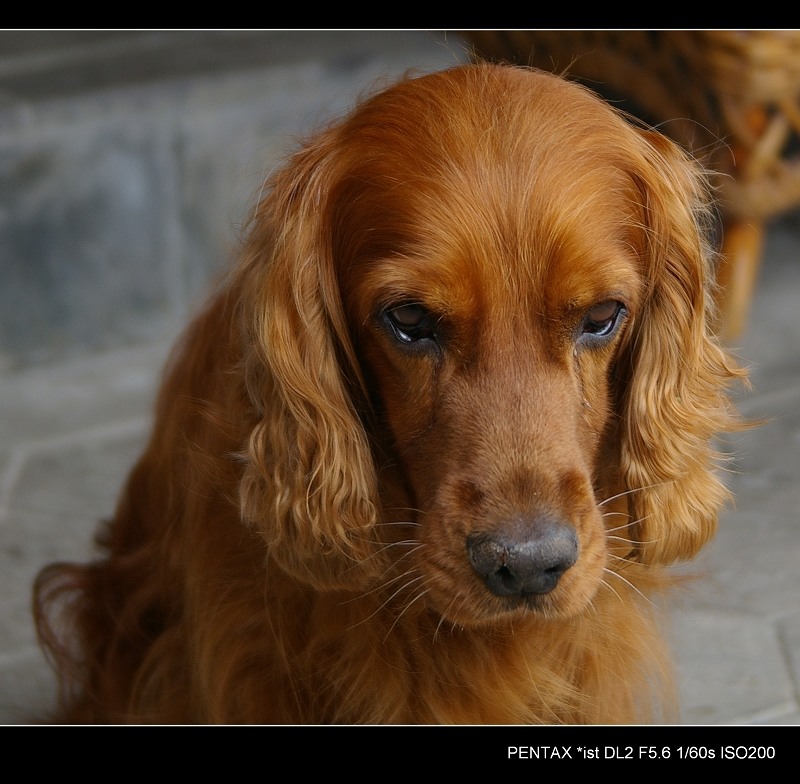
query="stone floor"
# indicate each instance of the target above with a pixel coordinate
(70, 429)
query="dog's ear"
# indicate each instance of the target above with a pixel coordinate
(674, 372)
(309, 484)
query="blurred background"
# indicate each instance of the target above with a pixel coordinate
(129, 161)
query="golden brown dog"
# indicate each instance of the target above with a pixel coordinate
(425, 456)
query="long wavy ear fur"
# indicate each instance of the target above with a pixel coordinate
(674, 398)
(310, 484)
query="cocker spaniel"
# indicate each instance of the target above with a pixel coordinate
(427, 452)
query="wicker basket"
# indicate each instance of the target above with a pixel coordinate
(732, 97)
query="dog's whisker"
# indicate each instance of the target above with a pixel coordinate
(622, 527)
(613, 590)
(404, 523)
(389, 598)
(634, 490)
(420, 595)
(604, 515)
(448, 613)
(630, 523)
(631, 542)
(383, 549)
(385, 583)
(624, 562)
(628, 583)
(626, 558)
(408, 584)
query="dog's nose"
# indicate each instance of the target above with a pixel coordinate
(524, 558)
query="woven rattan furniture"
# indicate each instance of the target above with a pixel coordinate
(732, 97)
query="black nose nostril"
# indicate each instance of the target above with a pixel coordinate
(525, 559)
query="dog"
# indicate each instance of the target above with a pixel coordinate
(428, 452)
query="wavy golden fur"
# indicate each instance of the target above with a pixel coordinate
(425, 456)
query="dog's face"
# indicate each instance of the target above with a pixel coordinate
(492, 379)
(488, 301)
(515, 285)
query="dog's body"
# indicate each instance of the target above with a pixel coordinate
(425, 456)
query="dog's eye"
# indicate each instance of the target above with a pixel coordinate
(411, 322)
(602, 320)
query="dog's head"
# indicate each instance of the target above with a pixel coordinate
(477, 312)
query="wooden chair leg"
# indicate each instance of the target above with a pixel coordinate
(740, 258)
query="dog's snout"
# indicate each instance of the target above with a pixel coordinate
(524, 558)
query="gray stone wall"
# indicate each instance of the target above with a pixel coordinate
(129, 161)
